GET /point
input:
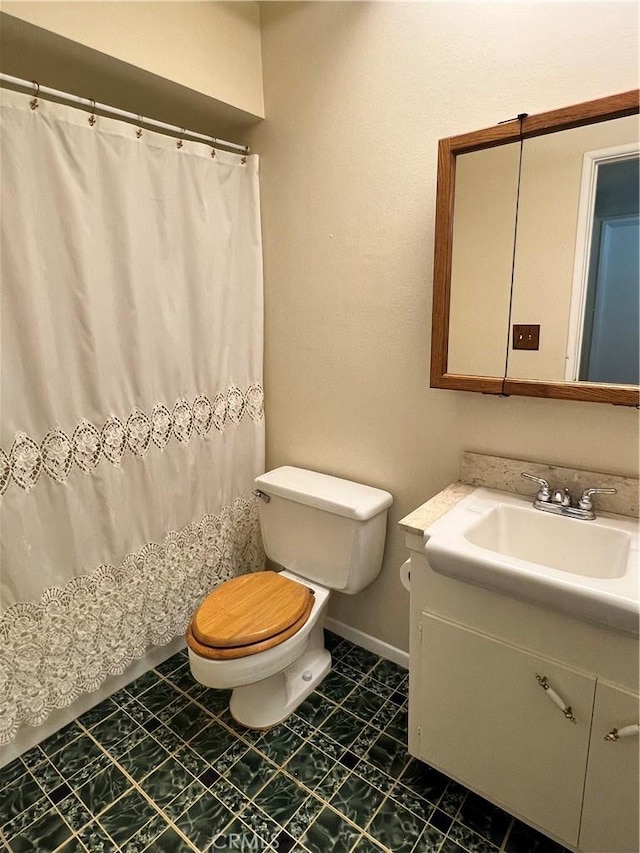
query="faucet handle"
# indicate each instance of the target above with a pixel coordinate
(585, 501)
(544, 492)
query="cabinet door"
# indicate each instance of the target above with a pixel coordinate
(485, 720)
(610, 811)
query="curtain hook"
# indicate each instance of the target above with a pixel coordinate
(34, 102)
(243, 160)
(180, 142)
(139, 130)
(92, 117)
(213, 146)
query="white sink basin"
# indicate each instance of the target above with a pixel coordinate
(587, 569)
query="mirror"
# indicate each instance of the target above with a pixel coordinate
(536, 256)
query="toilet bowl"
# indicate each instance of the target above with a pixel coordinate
(261, 634)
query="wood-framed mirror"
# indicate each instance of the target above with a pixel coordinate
(536, 256)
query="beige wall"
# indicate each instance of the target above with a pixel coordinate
(357, 95)
(210, 47)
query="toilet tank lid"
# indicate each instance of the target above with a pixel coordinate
(331, 494)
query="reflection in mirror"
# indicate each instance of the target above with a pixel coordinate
(576, 259)
(485, 199)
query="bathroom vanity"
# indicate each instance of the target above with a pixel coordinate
(528, 702)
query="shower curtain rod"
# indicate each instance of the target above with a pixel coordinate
(152, 124)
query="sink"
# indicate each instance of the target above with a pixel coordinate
(586, 569)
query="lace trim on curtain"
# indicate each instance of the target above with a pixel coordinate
(53, 650)
(57, 452)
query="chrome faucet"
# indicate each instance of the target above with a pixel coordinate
(559, 502)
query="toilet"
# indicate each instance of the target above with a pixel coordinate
(261, 633)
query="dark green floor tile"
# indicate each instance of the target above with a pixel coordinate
(336, 686)
(298, 824)
(332, 781)
(469, 839)
(367, 736)
(299, 726)
(137, 711)
(166, 781)
(364, 703)
(98, 713)
(396, 827)
(452, 799)
(280, 798)
(43, 836)
(451, 846)
(260, 823)
(236, 837)
(233, 799)
(10, 772)
(205, 819)
(389, 755)
(383, 717)
(421, 807)
(145, 836)
(158, 696)
(143, 758)
(95, 839)
(331, 641)
(215, 701)
(126, 816)
(250, 772)
(366, 845)
(483, 817)
(190, 759)
(169, 842)
(342, 727)
(103, 788)
(389, 673)
(309, 765)
(114, 729)
(327, 744)
(25, 818)
(74, 812)
(61, 738)
(18, 797)
(524, 839)
(357, 800)
(279, 744)
(47, 776)
(235, 752)
(430, 841)
(360, 659)
(168, 739)
(179, 703)
(74, 845)
(184, 800)
(315, 709)
(32, 757)
(329, 833)
(398, 726)
(176, 661)
(378, 778)
(212, 742)
(142, 683)
(182, 678)
(127, 743)
(424, 780)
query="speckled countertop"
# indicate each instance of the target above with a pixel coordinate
(433, 509)
(497, 472)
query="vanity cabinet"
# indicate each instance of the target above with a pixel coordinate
(484, 719)
(478, 713)
(611, 797)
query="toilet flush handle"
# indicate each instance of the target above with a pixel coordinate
(262, 495)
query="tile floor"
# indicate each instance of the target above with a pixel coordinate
(161, 766)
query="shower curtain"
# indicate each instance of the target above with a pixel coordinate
(131, 406)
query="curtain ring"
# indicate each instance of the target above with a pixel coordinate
(243, 160)
(180, 142)
(34, 102)
(213, 146)
(92, 117)
(139, 130)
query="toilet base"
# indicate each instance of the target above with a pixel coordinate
(268, 702)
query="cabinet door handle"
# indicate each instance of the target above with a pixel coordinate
(555, 698)
(625, 731)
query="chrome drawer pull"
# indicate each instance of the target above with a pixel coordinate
(557, 700)
(625, 731)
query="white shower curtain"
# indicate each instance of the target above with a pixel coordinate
(131, 416)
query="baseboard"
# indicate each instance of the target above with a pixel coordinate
(29, 736)
(372, 644)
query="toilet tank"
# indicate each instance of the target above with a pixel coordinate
(323, 528)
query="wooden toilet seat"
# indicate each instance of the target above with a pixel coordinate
(249, 614)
